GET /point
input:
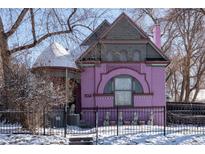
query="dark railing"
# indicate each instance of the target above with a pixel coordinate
(126, 120)
(102, 122)
(186, 118)
(45, 122)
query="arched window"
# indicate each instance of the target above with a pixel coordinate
(123, 86)
(137, 87)
(136, 56)
(109, 89)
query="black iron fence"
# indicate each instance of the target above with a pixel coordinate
(129, 120)
(45, 122)
(102, 122)
(186, 118)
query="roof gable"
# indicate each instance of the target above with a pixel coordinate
(124, 28)
(122, 32)
(95, 35)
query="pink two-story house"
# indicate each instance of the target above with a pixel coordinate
(121, 67)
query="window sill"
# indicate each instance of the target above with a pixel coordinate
(143, 94)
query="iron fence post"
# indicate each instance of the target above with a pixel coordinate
(164, 108)
(44, 122)
(65, 121)
(117, 122)
(96, 124)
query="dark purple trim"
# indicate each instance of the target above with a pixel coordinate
(122, 62)
(103, 94)
(135, 94)
(144, 74)
(143, 94)
(122, 107)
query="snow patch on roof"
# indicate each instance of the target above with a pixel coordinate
(55, 55)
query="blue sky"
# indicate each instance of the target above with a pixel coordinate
(24, 32)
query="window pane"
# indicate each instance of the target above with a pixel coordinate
(109, 87)
(123, 84)
(123, 97)
(137, 87)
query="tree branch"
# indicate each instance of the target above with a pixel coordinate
(48, 34)
(33, 25)
(1, 26)
(202, 10)
(69, 18)
(39, 40)
(17, 22)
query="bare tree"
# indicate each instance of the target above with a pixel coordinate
(22, 29)
(188, 26)
(183, 42)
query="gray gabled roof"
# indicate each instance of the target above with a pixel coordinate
(96, 34)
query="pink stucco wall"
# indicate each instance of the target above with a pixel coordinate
(152, 80)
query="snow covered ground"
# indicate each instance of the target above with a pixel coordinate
(151, 135)
(157, 139)
(25, 139)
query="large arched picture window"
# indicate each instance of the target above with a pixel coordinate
(123, 86)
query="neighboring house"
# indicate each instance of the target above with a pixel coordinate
(122, 67)
(52, 63)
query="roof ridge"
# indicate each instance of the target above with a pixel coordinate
(123, 14)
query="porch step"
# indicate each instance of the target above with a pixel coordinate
(81, 141)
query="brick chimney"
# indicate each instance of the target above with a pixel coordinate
(157, 34)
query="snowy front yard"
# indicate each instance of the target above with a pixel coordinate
(144, 139)
(171, 139)
(153, 135)
(24, 139)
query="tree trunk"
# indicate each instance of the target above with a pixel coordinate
(1, 72)
(182, 90)
(5, 67)
(187, 78)
(195, 94)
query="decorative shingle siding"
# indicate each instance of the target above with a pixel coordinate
(122, 41)
(94, 54)
(96, 35)
(123, 30)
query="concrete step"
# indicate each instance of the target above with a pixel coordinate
(81, 141)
